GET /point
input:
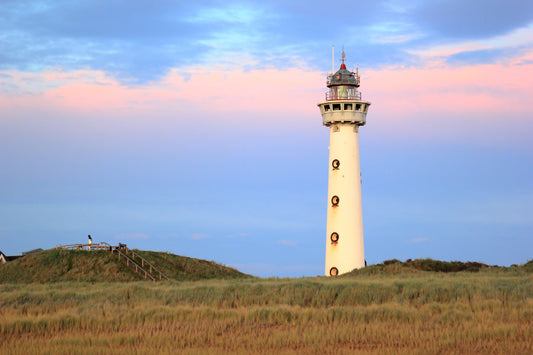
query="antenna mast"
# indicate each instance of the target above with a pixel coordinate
(332, 59)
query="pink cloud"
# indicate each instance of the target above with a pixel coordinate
(288, 91)
(412, 100)
(486, 103)
(481, 88)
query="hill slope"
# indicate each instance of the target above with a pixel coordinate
(96, 266)
(182, 268)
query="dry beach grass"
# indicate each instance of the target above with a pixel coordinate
(387, 310)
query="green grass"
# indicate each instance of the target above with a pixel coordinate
(411, 312)
(66, 265)
(101, 266)
(182, 268)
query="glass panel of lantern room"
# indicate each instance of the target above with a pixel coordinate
(333, 93)
(343, 92)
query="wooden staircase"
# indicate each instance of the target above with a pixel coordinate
(131, 258)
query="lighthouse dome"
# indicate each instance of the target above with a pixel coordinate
(343, 77)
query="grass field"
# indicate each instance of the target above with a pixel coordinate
(385, 309)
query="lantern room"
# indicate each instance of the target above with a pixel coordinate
(343, 84)
(343, 102)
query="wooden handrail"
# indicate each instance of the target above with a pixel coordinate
(133, 265)
(94, 246)
(144, 261)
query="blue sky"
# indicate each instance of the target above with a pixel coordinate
(192, 127)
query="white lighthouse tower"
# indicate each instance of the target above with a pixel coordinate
(344, 112)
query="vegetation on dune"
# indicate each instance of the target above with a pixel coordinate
(395, 266)
(66, 265)
(102, 266)
(391, 308)
(183, 268)
(490, 311)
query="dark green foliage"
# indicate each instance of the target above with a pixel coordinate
(529, 265)
(395, 266)
(446, 266)
(391, 262)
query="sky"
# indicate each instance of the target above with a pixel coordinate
(192, 127)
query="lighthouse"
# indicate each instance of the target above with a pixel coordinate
(343, 111)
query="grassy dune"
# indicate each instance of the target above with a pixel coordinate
(66, 265)
(182, 268)
(98, 266)
(386, 309)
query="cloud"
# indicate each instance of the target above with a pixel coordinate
(139, 43)
(288, 242)
(200, 236)
(431, 102)
(238, 235)
(270, 92)
(418, 240)
(132, 40)
(135, 236)
(474, 18)
(425, 102)
(392, 32)
(520, 39)
(232, 13)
